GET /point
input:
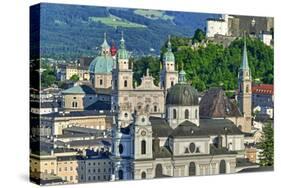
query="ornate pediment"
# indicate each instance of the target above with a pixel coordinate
(147, 83)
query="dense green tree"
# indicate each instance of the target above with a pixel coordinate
(47, 76)
(144, 63)
(267, 146)
(199, 36)
(213, 65)
(74, 78)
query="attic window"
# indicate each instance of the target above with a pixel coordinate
(192, 131)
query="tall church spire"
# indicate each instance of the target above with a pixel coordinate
(245, 64)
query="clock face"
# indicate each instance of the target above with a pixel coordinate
(143, 133)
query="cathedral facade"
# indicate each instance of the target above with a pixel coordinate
(147, 95)
(176, 141)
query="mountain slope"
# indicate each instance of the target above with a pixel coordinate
(70, 31)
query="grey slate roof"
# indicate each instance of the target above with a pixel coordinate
(242, 162)
(207, 127)
(82, 131)
(215, 104)
(99, 105)
(161, 128)
(162, 153)
(182, 94)
(78, 113)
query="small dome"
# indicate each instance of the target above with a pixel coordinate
(122, 54)
(101, 64)
(182, 94)
(168, 56)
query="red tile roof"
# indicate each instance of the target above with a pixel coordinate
(263, 89)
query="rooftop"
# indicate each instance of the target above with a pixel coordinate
(79, 89)
(266, 89)
(78, 113)
(215, 104)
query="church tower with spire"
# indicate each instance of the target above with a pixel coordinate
(168, 73)
(245, 91)
(122, 82)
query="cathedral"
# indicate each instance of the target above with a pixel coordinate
(178, 142)
(158, 131)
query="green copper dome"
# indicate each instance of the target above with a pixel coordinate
(101, 64)
(169, 55)
(104, 62)
(122, 52)
(182, 94)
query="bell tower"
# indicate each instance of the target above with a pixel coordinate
(245, 91)
(168, 73)
(142, 135)
(122, 77)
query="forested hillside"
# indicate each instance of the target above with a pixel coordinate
(71, 31)
(214, 65)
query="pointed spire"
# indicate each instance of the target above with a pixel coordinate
(169, 44)
(182, 75)
(104, 45)
(245, 64)
(104, 36)
(122, 41)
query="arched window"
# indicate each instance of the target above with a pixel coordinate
(247, 88)
(125, 83)
(155, 108)
(74, 104)
(196, 114)
(192, 169)
(143, 175)
(100, 81)
(147, 108)
(172, 83)
(222, 167)
(120, 148)
(143, 147)
(158, 171)
(120, 174)
(126, 115)
(186, 114)
(174, 114)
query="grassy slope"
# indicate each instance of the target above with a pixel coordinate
(153, 14)
(115, 21)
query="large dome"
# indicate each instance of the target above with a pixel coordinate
(182, 94)
(101, 64)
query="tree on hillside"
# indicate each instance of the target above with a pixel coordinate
(74, 78)
(47, 76)
(199, 36)
(267, 146)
